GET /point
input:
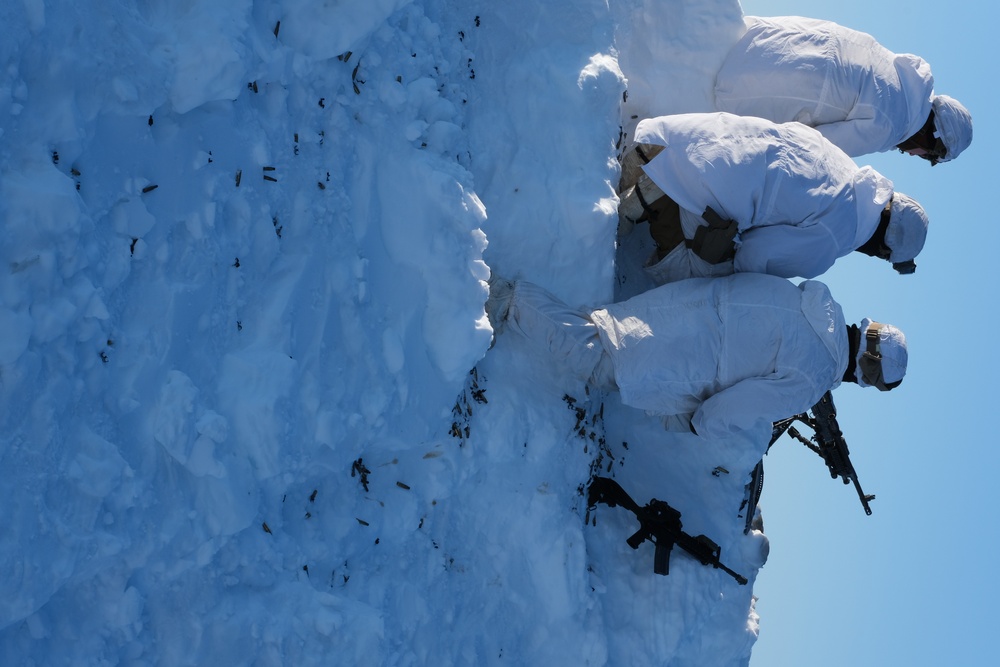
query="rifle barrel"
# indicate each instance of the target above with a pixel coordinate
(861, 494)
(740, 579)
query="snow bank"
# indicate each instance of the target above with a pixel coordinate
(250, 412)
(693, 36)
(324, 30)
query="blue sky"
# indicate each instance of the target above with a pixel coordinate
(912, 584)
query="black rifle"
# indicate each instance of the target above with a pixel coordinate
(660, 524)
(827, 441)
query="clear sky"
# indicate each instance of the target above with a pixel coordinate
(914, 584)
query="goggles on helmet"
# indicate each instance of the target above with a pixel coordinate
(870, 363)
(935, 150)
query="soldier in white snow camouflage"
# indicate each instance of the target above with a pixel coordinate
(861, 96)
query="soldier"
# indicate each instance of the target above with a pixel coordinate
(861, 96)
(728, 354)
(725, 194)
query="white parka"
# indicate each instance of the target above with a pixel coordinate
(799, 201)
(731, 352)
(861, 96)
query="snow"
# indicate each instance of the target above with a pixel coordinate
(251, 411)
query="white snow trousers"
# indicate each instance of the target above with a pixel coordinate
(567, 334)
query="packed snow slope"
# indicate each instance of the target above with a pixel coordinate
(251, 414)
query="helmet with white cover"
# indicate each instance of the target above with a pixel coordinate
(906, 232)
(952, 125)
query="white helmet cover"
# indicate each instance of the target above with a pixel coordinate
(953, 125)
(907, 228)
(892, 347)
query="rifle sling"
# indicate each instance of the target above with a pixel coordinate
(642, 154)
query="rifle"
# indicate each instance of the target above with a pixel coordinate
(660, 524)
(829, 442)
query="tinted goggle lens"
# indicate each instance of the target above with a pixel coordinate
(936, 152)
